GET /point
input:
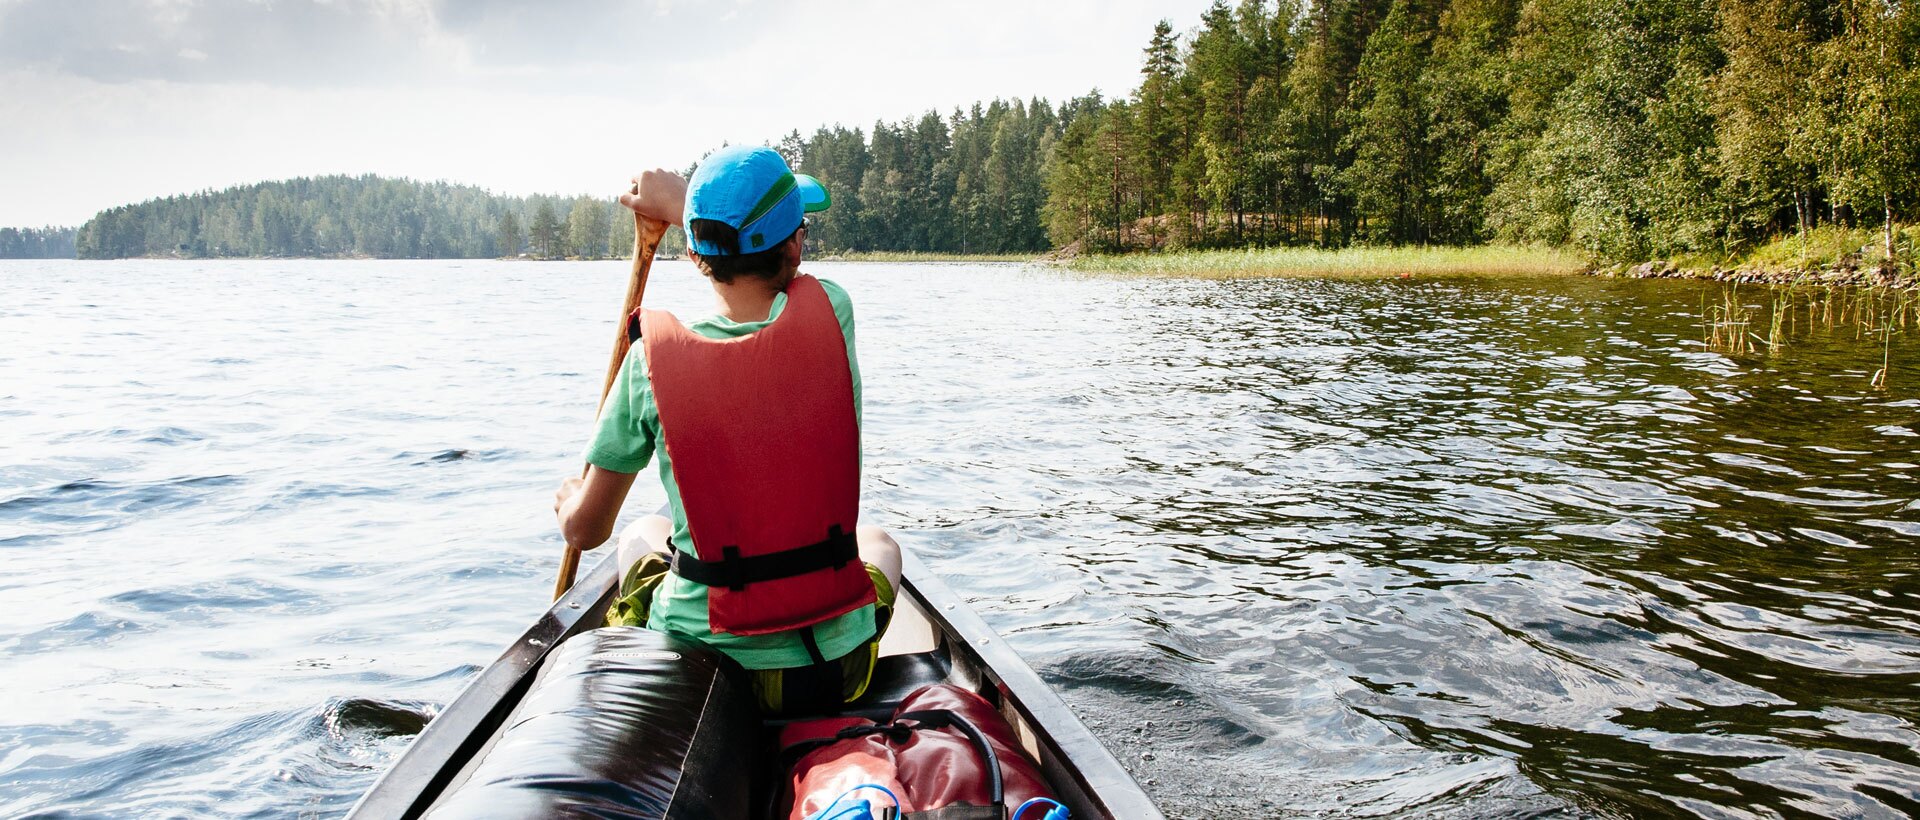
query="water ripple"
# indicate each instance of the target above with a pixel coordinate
(1437, 548)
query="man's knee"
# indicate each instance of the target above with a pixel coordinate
(879, 549)
(647, 534)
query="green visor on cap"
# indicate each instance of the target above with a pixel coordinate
(813, 196)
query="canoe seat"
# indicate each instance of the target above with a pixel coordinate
(621, 722)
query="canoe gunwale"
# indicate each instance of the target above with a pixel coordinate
(410, 786)
(1067, 747)
(979, 657)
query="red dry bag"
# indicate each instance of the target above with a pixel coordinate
(946, 751)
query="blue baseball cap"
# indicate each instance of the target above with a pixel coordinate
(752, 189)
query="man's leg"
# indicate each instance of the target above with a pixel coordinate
(879, 549)
(649, 534)
(640, 539)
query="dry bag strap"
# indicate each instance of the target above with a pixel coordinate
(939, 718)
(959, 811)
(736, 571)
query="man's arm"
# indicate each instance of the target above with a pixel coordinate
(588, 507)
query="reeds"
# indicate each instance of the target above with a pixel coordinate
(1777, 323)
(1727, 322)
(919, 256)
(1484, 260)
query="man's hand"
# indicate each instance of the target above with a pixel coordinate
(658, 194)
(568, 489)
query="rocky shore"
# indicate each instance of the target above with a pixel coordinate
(1875, 276)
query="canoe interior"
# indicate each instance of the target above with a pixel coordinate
(935, 637)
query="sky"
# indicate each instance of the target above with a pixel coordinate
(108, 102)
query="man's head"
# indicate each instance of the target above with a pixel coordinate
(744, 213)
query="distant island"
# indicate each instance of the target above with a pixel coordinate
(359, 217)
(36, 243)
(1708, 134)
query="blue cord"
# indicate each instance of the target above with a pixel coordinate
(827, 813)
(1058, 812)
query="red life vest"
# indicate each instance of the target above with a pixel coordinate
(766, 452)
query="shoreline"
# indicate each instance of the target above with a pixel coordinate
(1261, 263)
(1837, 270)
(1836, 276)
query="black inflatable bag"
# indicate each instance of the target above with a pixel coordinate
(621, 722)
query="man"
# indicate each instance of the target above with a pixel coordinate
(754, 416)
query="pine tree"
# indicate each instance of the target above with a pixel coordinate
(620, 229)
(1157, 125)
(508, 240)
(1466, 88)
(545, 231)
(587, 229)
(1388, 131)
(1219, 64)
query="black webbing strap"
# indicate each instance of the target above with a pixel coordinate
(938, 718)
(898, 731)
(957, 811)
(813, 646)
(735, 571)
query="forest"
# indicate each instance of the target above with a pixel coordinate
(1620, 129)
(365, 216)
(36, 243)
(1623, 129)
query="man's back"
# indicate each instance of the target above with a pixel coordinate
(630, 434)
(741, 569)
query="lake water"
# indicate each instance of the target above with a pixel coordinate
(1462, 548)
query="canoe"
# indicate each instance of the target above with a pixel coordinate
(934, 638)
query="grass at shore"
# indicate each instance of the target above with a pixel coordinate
(1823, 248)
(914, 256)
(1481, 260)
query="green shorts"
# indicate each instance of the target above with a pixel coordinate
(800, 690)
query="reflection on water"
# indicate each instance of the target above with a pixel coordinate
(1459, 547)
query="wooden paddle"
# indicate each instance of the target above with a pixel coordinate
(646, 239)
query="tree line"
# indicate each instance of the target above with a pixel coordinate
(364, 216)
(1624, 128)
(1627, 129)
(36, 243)
(971, 182)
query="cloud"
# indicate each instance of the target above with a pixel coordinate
(282, 42)
(347, 43)
(584, 45)
(511, 34)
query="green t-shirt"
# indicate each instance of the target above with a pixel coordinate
(629, 436)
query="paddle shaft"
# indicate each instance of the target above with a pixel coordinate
(647, 233)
